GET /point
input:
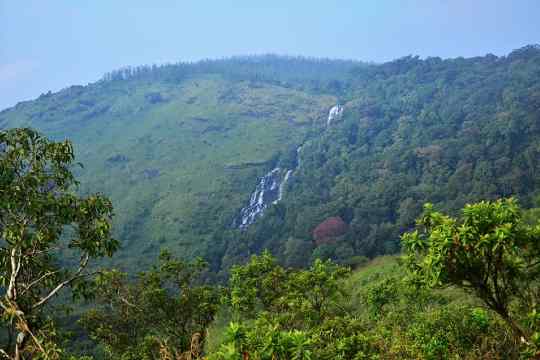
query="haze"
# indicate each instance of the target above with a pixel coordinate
(49, 45)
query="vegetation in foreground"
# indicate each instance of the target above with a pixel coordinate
(488, 259)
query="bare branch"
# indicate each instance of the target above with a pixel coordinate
(125, 301)
(15, 261)
(4, 354)
(35, 282)
(78, 274)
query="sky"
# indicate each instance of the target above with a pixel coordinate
(51, 44)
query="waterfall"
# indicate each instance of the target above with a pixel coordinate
(271, 187)
(268, 190)
(298, 150)
(282, 186)
(335, 112)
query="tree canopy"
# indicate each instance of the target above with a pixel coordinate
(490, 251)
(48, 236)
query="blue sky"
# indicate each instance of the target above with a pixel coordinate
(51, 44)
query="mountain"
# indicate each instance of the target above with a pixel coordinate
(222, 158)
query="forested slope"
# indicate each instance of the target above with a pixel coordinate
(180, 149)
(414, 131)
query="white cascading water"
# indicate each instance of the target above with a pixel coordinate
(265, 192)
(282, 186)
(335, 112)
(268, 191)
(298, 150)
(271, 187)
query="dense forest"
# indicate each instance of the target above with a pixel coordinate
(414, 131)
(268, 207)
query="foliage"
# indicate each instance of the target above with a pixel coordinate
(381, 316)
(264, 342)
(284, 305)
(489, 251)
(288, 297)
(164, 310)
(41, 221)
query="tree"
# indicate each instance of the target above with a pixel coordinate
(264, 342)
(48, 237)
(258, 283)
(490, 251)
(163, 310)
(290, 297)
(280, 312)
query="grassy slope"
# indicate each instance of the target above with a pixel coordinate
(173, 167)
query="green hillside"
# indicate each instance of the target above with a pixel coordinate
(177, 158)
(180, 149)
